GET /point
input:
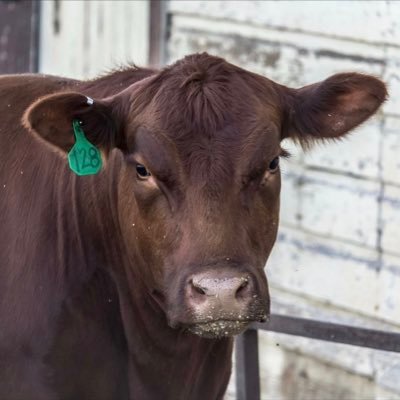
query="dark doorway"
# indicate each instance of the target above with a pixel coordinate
(19, 36)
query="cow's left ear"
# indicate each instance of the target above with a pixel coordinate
(51, 117)
(331, 108)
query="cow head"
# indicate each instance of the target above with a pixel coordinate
(198, 178)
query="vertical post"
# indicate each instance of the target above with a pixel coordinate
(247, 368)
(158, 21)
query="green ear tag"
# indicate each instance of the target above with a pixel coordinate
(84, 158)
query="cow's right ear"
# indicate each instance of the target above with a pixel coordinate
(50, 118)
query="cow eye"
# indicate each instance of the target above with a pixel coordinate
(142, 172)
(274, 164)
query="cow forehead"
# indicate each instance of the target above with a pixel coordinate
(208, 107)
(205, 94)
(215, 164)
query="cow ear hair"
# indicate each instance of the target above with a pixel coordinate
(50, 118)
(331, 108)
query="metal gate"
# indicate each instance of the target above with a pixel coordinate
(247, 366)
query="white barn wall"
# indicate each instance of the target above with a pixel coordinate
(338, 253)
(92, 36)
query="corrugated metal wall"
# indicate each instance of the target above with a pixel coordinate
(338, 254)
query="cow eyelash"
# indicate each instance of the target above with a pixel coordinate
(285, 154)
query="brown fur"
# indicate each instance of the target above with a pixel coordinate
(96, 273)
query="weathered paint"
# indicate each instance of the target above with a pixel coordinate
(338, 255)
(84, 38)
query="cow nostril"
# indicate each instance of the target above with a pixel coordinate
(242, 288)
(197, 288)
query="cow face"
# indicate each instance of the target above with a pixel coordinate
(198, 177)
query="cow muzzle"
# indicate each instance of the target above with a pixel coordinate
(224, 304)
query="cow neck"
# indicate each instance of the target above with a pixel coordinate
(83, 226)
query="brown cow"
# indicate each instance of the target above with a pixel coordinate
(130, 283)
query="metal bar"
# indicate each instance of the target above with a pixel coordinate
(247, 368)
(374, 339)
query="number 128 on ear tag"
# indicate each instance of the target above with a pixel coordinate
(83, 158)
